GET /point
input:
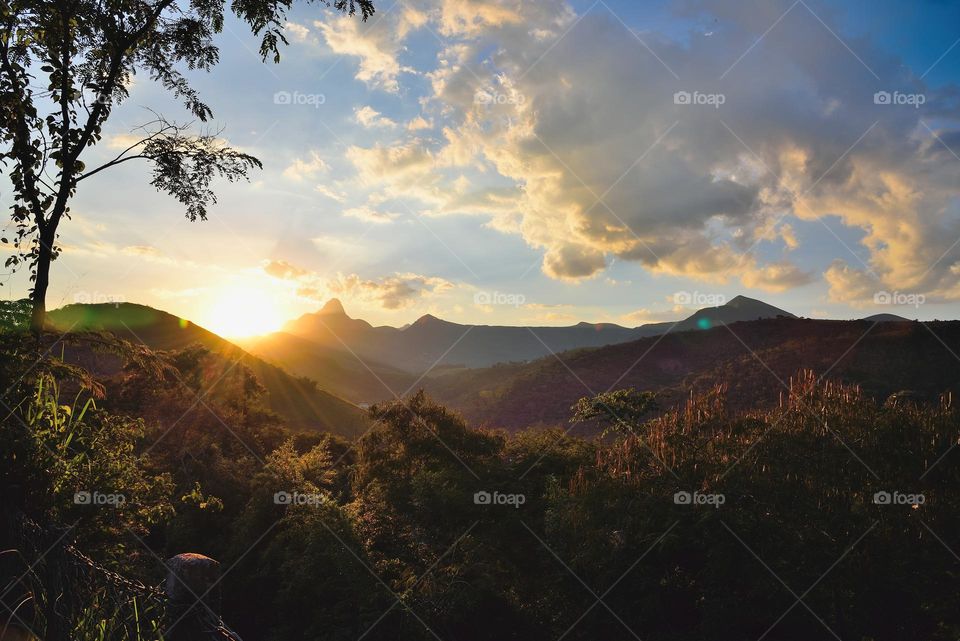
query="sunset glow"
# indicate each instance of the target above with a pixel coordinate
(236, 313)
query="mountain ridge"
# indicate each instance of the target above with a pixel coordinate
(430, 341)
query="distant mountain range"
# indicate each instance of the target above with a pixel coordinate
(366, 363)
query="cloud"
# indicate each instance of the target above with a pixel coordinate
(392, 292)
(776, 277)
(145, 251)
(644, 315)
(297, 32)
(371, 118)
(301, 169)
(375, 43)
(370, 215)
(404, 170)
(606, 164)
(284, 270)
(850, 285)
(330, 193)
(418, 123)
(470, 17)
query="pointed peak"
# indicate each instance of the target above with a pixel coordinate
(427, 320)
(333, 308)
(740, 300)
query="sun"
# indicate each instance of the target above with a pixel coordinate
(237, 312)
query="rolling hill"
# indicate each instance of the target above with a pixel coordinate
(754, 358)
(299, 401)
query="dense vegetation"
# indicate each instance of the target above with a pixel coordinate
(384, 538)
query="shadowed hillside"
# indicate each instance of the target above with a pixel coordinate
(883, 357)
(298, 400)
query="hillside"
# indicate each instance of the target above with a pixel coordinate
(297, 400)
(883, 357)
(337, 370)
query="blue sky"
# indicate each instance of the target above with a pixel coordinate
(538, 162)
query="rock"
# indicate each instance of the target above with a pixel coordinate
(193, 612)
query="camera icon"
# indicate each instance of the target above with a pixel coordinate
(482, 298)
(682, 98)
(483, 98)
(881, 98)
(282, 98)
(683, 498)
(482, 498)
(882, 298)
(82, 498)
(682, 298)
(882, 498)
(283, 498)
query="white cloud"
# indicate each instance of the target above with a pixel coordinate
(370, 215)
(297, 32)
(374, 43)
(330, 193)
(371, 118)
(418, 123)
(301, 169)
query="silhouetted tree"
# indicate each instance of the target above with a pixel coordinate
(89, 51)
(621, 411)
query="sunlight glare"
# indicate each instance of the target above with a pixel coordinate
(240, 312)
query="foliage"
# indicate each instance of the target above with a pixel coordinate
(66, 463)
(621, 411)
(15, 315)
(393, 541)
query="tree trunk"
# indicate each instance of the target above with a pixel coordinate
(39, 296)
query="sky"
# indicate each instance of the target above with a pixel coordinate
(545, 162)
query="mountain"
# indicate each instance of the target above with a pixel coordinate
(297, 400)
(431, 341)
(738, 309)
(363, 363)
(751, 357)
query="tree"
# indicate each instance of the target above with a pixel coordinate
(90, 50)
(621, 411)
